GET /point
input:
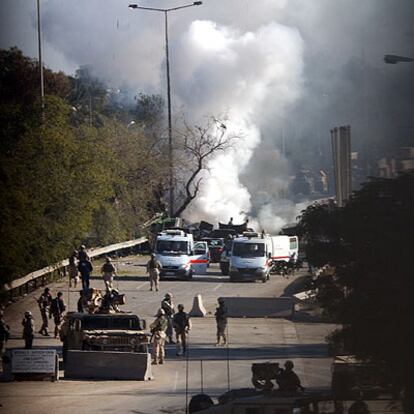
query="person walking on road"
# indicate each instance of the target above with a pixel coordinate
(221, 321)
(44, 302)
(153, 269)
(4, 334)
(28, 330)
(108, 271)
(73, 269)
(85, 268)
(168, 306)
(57, 308)
(158, 335)
(182, 324)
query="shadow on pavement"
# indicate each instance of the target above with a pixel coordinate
(207, 352)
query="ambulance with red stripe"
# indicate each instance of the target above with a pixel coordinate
(179, 255)
(252, 255)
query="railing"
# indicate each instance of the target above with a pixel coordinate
(24, 283)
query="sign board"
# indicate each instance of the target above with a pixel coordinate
(41, 361)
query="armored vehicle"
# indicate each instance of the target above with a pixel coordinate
(105, 346)
(104, 332)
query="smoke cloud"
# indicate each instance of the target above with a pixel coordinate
(284, 72)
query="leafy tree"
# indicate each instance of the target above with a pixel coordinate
(369, 241)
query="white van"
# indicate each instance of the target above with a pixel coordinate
(253, 254)
(284, 248)
(179, 255)
(249, 257)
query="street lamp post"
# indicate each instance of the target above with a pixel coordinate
(170, 148)
(39, 40)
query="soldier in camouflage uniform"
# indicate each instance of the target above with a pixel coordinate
(158, 328)
(221, 320)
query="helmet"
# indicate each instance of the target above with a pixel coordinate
(168, 295)
(83, 247)
(108, 259)
(152, 255)
(60, 294)
(28, 314)
(47, 290)
(180, 306)
(289, 364)
(160, 312)
(220, 300)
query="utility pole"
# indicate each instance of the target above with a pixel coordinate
(39, 38)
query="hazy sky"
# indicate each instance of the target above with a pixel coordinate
(277, 67)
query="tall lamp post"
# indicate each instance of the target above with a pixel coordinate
(170, 149)
(39, 40)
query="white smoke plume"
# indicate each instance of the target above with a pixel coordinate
(291, 67)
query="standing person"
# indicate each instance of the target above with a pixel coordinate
(4, 334)
(182, 324)
(44, 302)
(230, 223)
(80, 302)
(83, 254)
(153, 268)
(288, 380)
(28, 330)
(85, 268)
(108, 271)
(158, 328)
(57, 308)
(221, 321)
(73, 269)
(168, 306)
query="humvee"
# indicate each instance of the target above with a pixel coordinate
(104, 332)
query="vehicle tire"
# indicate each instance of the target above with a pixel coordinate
(264, 280)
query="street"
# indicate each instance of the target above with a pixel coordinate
(251, 340)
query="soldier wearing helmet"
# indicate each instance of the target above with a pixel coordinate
(44, 302)
(158, 328)
(153, 269)
(288, 380)
(221, 321)
(28, 330)
(169, 309)
(182, 324)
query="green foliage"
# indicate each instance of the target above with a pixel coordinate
(370, 243)
(69, 174)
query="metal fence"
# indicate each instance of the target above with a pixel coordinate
(33, 280)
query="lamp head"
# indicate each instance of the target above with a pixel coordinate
(133, 6)
(197, 3)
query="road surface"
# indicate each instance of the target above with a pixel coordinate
(251, 340)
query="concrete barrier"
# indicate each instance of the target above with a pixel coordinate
(239, 307)
(198, 309)
(108, 365)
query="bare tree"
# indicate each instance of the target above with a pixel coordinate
(197, 146)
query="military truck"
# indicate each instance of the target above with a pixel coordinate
(104, 332)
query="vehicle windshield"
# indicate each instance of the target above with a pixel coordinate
(215, 243)
(110, 323)
(171, 246)
(249, 249)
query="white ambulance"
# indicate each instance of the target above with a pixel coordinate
(253, 253)
(179, 255)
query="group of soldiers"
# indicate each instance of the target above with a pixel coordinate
(80, 263)
(168, 321)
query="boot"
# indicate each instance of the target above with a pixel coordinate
(154, 362)
(161, 361)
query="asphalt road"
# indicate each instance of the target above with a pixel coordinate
(251, 340)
